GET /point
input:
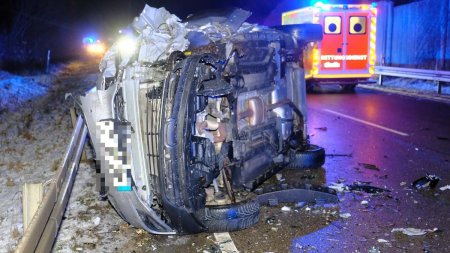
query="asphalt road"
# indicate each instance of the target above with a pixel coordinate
(399, 139)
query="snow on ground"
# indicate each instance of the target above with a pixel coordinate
(414, 85)
(90, 225)
(35, 127)
(15, 90)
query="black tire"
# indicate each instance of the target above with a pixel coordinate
(350, 88)
(230, 217)
(312, 157)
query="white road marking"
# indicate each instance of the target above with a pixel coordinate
(367, 123)
(225, 242)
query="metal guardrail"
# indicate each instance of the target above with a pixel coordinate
(424, 74)
(43, 228)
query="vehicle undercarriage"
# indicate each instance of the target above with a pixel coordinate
(184, 137)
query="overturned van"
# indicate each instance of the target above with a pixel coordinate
(188, 118)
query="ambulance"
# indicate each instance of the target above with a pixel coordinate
(346, 54)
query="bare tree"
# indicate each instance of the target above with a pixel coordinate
(30, 21)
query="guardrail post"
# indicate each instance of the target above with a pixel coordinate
(439, 87)
(380, 79)
(32, 195)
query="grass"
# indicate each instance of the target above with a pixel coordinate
(56, 164)
(17, 166)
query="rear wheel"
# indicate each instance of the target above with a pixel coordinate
(348, 88)
(312, 157)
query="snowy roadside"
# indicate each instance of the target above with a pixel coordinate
(35, 127)
(413, 88)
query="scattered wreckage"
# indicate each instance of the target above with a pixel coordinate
(187, 119)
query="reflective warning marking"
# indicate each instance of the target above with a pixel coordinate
(225, 243)
(367, 122)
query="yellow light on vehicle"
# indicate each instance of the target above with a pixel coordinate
(96, 48)
(127, 46)
(315, 63)
(373, 31)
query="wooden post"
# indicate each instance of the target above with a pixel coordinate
(32, 195)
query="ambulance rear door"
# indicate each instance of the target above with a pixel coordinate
(343, 51)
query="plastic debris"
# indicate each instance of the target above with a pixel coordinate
(285, 209)
(443, 188)
(374, 250)
(339, 187)
(345, 215)
(341, 180)
(271, 220)
(402, 183)
(414, 231)
(364, 187)
(280, 177)
(382, 240)
(300, 204)
(369, 166)
(364, 202)
(429, 181)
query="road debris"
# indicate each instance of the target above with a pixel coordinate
(280, 177)
(345, 215)
(374, 250)
(363, 187)
(271, 220)
(339, 187)
(300, 204)
(381, 240)
(369, 166)
(403, 183)
(414, 231)
(285, 209)
(443, 188)
(364, 202)
(429, 181)
(341, 180)
(333, 155)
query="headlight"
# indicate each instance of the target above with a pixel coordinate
(127, 46)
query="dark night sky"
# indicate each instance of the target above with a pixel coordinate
(66, 22)
(107, 16)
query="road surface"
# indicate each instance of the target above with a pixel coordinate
(383, 139)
